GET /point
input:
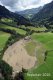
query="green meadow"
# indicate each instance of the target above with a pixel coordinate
(45, 70)
(34, 28)
(45, 38)
(3, 39)
(20, 31)
(37, 28)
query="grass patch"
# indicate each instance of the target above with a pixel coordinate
(9, 21)
(45, 69)
(34, 48)
(3, 39)
(20, 31)
(37, 28)
(30, 47)
(34, 28)
(45, 38)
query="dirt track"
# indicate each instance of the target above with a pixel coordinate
(17, 57)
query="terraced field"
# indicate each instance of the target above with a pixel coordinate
(20, 31)
(34, 28)
(37, 28)
(9, 21)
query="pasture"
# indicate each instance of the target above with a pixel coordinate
(3, 39)
(34, 28)
(20, 31)
(45, 70)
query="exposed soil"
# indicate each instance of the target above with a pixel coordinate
(17, 57)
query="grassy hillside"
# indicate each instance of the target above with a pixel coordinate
(45, 38)
(8, 21)
(45, 15)
(40, 42)
(3, 39)
(29, 13)
(20, 31)
(44, 71)
(37, 28)
(5, 13)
